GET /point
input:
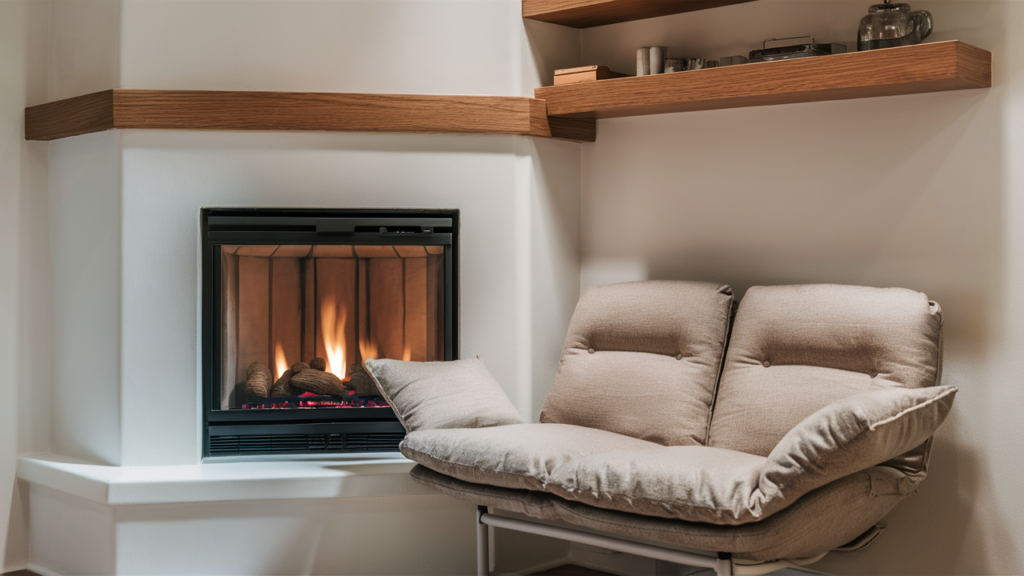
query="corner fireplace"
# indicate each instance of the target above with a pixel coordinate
(294, 301)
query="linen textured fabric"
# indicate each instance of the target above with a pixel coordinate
(692, 483)
(807, 528)
(642, 359)
(433, 395)
(822, 423)
(518, 456)
(796, 349)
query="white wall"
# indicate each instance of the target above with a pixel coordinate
(169, 176)
(85, 240)
(353, 536)
(24, 300)
(519, 197)
(919, 191)
(376, 46)
(85, 47)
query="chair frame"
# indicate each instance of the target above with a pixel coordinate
(721, 562)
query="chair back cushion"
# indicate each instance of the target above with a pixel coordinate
(797, 349)
(642, 359)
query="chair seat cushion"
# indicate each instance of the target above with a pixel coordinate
(806, 529)
(519, 456)
(692, 483)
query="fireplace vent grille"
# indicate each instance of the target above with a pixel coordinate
(304, 443)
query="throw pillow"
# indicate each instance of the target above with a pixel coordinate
(432, 395)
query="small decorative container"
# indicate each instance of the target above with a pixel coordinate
(888, 25)
(794, 51)
(732, 60)
(658, 56)
(643, 61)
(700, 63)
(584, 74)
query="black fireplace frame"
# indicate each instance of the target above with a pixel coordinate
(313, 431)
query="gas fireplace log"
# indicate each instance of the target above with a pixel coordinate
(361, 382)
(281, 387)
(258, 381)
(317, 382)
(318, 364)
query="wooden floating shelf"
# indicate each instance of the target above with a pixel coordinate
(288, 111)
(934, 67)
(588, 13)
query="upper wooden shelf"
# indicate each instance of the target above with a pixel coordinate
(286, 111)
(934, 67)
(588, 13)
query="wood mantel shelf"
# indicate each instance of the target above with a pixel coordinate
(934, 67)
(288, 111)
(588, 13)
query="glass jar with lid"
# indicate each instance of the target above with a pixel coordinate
(888, 25)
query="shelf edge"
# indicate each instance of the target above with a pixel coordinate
(591, 13)
(70, 117)
(933, 67)
(297, 111)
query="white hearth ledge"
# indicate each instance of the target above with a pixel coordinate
(346, 477)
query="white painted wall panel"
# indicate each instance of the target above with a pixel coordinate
(24, 262)
(85, 47)
(555, 258)
(83, 529)
(174, 174)
(85, 244)
(379, 46)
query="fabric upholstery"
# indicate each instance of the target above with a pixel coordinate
(807, 528)
(519, 456)
(540, 505)
(693, 483)
(796, 349)
(431, 395)
(642, 359)
(852, 434)
(820, 424)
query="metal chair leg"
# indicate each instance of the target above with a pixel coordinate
(482, 559)
(723, 567)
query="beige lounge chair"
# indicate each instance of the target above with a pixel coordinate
(675, 432)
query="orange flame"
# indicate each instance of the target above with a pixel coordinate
(368, 350)
(279, 360)
(332, 324)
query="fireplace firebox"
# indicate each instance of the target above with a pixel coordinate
(295, 300)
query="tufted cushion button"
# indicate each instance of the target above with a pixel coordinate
(591, 351)
(679, 356)
(766, 363)
(872, 373)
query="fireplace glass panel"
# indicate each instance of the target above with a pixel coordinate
(298, 321)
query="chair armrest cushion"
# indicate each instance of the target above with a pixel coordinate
(853, 434)
(435, 395)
